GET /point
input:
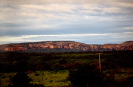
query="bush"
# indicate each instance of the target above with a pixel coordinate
(63, 61)
(130, 82)
(86, 76)
(20, 80)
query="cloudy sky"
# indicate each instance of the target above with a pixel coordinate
(85, 21)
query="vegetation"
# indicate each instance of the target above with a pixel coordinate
(66, 69)
(85, 76)
(20, 78)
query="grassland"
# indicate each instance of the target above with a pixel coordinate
(52, 69)
(46, 78)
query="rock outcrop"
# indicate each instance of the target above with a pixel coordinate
(64, 46)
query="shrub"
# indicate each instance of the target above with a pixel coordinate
(86, 76)
(20, 80)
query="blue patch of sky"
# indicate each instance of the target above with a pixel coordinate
(13, 25)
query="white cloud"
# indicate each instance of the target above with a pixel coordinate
(91, 6)
(89, 12)
(24, 37)
(51, 7)
(112, 10)
(128, 28)
(129, 33)
(122, 35)
(57, 14)
(31, 27)
(61, 1)
(76, 37)
(52, 11)
(126, 5)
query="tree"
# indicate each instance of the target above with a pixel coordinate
(20, 80)
(86, 76)
(130, 82)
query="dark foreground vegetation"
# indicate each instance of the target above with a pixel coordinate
(83, 68)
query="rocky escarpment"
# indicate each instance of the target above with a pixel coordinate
(64, 46)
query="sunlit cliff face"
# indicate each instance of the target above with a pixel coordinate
(65, 45)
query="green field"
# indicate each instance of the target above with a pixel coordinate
(46, 78)
(50, 78)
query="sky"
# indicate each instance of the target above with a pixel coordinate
(85, 21)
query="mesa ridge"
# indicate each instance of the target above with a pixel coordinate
(64, 46)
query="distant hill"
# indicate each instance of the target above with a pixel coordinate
(64, 46)
(127, 43)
